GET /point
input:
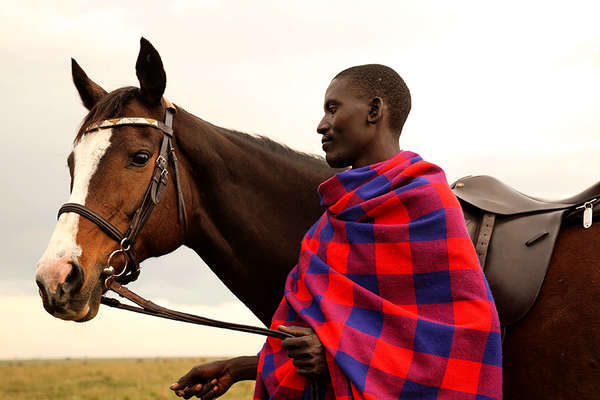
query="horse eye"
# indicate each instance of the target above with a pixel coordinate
(140, 158)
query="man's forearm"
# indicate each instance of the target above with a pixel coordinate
(244, 368)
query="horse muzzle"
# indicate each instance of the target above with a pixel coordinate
(60, 282)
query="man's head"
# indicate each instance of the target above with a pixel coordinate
(365, 109)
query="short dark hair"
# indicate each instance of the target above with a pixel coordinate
(376, 80)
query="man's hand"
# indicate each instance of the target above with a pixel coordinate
(306, 351)
(209, 381)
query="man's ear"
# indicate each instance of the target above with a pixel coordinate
(375, 110)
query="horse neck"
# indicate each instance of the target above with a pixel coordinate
(252, 200)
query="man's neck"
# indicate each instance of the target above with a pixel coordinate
(379, 151)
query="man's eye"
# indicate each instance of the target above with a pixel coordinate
(331, 109)
(140, 158)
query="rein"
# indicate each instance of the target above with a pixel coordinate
(131, 270)
(149, 308)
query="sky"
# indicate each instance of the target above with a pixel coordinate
(510, 89)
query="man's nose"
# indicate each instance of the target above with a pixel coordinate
(323, 126)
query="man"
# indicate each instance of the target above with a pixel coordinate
(388, 299)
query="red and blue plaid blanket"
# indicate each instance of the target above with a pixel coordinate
(390, 282)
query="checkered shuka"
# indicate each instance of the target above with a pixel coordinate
(390, 282)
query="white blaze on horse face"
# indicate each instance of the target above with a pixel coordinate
(54, 265)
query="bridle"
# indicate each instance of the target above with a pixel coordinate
(131, 270)
(160, 177)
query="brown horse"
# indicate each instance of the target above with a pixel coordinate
(249, 201)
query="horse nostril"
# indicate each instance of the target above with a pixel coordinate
(46, 300)
(74, 280)
(41, 287)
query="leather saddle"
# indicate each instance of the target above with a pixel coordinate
(514, 235)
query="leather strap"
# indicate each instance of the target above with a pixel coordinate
(150, 308)
(484, 236)
(158, 183)
(128, 121)
(102, 223)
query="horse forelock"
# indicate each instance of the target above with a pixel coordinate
(110, 106)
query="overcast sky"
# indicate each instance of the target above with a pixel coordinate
(510, 89)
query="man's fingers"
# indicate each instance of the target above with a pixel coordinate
(298, 353)
(296, 342)
(296, 330)
(198, 390)
(206, 389)
(176, 386)
(304, 363)
(304, 372)
(186, 380)
(214, 391)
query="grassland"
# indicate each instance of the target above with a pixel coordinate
(100, 379)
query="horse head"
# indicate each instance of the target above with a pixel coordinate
(110, 172)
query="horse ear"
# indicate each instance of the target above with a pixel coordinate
(150, 72)
(89, 91)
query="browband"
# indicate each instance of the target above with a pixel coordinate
(115, 122)
(141, 121)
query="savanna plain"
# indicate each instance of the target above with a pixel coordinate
(101, 379)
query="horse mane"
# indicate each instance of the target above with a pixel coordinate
(276, 147)
(110, 106)
(113, 104)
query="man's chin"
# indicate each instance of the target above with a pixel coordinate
(336, 161)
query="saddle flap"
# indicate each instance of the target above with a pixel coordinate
(518, 257)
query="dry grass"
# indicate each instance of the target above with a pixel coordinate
(79, 379)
